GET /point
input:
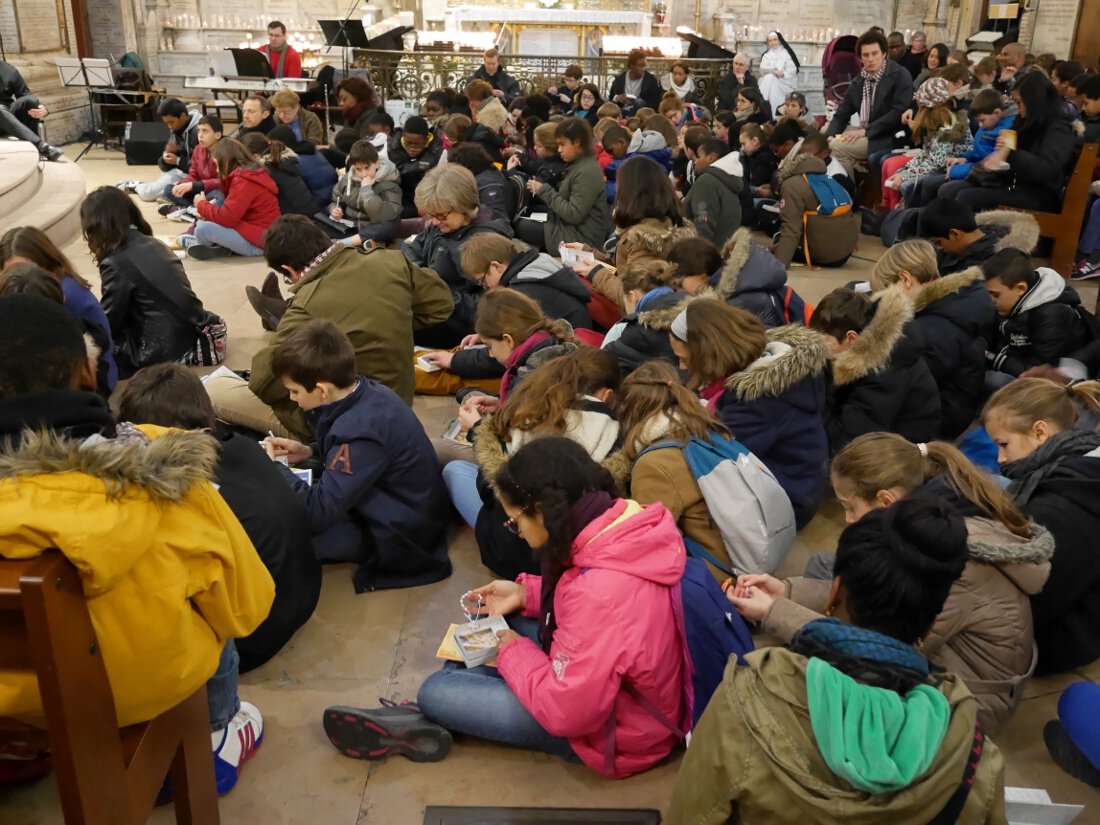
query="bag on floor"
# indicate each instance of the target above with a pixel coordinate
(746, 503)
(715, 631)
(210, 345)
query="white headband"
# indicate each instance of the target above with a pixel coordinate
(680, 326)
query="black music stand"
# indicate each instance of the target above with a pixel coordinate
(252, 63)
(347, 34)
(89, 73)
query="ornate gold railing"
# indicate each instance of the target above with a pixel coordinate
(411, 75)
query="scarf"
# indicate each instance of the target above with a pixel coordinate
(582, 512)
(1029, 472)
(712, 392)
(281, 51)
(870, 84)
(352, 113)
(516, 358)
(682, 89)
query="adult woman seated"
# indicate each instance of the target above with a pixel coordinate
(1031, 175)
(357, 104)
(595, 667)
(448, 196)
(304, 124)
(153, 313)
(850, 725)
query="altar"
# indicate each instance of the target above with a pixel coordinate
(569, 27)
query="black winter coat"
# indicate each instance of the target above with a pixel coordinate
(892, 97)
(487, 139)
(382, 480)
(548, 170)
(752, 279)
(1067, 611)
(953, 314)
(640, 342)
(1043, 161)
(881, 382)
(278, 527)
(413, 170)
(649, 95)
(153, 312)
(294, 195)
(495, 194)
(728, 88)
(1047, 323)
(347, 136)
(501, 82)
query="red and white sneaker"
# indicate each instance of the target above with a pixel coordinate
(236, 744)
(20, 762)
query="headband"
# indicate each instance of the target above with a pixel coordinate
(680, 326)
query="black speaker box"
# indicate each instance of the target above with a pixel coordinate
(145, 142)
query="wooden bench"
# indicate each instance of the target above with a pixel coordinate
(105, 776)
(1064, 227)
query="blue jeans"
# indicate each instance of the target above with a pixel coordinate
(1090, 238)
(213, 196)
(460, 478)
(213, 234)
(478, 702)
(221, 688)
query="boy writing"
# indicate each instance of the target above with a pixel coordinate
(369, 192)
(1041, 319)
(379, 499)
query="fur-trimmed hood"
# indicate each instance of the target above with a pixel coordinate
(655, 235)
(794, 353)
(1021, 229)
(166, 464)
(872, 351)
(492, 115)
(945, 286)
(490, 453)
(748, 267)
(1025, 561)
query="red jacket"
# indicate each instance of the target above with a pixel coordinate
(203, 170)
(292, 65)
(251, 204)
(619, 617)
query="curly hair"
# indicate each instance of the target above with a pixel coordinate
(548, 476)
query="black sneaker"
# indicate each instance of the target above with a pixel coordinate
(375, 734)
(165, 208)
(51, 153)
(205, 252)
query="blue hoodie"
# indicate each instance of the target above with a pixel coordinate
(985, 141)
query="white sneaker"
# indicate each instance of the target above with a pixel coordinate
(236, 744)
(186, 214)
(128, 185)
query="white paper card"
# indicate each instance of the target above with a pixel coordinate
(1032, 806)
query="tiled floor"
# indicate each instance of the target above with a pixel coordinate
(358, 648)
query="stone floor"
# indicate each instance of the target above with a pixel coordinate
(358, 648)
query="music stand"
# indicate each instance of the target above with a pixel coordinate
(346, 33)
(252, 63)
(90, 73)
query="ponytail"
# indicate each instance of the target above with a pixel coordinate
(885, 461)
(275, 150)
(1026, 400)
(653, 389)
(508, 312)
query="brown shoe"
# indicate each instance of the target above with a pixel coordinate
(269, 309)
(270, 286)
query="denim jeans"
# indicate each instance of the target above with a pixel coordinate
(460, 478)
(1090, 238)
(213, 234)
(478, 702)
(221, 688)
(214, 196)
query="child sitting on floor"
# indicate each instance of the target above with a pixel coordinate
(378, 500)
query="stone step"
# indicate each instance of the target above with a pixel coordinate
(45, 195)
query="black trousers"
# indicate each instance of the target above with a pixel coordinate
(15, 121)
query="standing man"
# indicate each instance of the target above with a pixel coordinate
(285, 62)
(20, 111)
(881, 93)
(505, 87)
(731, 84)
(636, 88)
(913, 59)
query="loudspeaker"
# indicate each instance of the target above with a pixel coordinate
(145, 142)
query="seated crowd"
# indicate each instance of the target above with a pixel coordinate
(644, 407)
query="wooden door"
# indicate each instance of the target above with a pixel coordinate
(1086, 45)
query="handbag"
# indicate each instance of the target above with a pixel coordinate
(210, 345)
(989, 180)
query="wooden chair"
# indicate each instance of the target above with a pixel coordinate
(105, 776)
(1065, 226)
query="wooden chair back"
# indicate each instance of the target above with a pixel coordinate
(105, 776)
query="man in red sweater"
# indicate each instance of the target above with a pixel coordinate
(285, 62)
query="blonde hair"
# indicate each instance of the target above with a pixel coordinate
(611, 110)
(285, 99)
(450, 188)
(722, 340)
(1026, 400)
(481, 250)
(649, 274)
(602, 125)
(545, 136)
(455, 127)
(917, 257)
(655, 388)
(507, 312)
(928, 121)
(885, 461)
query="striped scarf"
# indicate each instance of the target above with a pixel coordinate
(870, 84)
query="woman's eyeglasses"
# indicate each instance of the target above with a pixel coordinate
(512, 524)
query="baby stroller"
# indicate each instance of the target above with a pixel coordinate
(840, 65)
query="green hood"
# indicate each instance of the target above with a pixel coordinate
(876, 739)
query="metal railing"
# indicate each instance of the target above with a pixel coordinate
(411, 75)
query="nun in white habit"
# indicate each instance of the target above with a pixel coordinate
(778, 71)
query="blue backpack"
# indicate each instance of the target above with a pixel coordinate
(833, 199)
(715, 631)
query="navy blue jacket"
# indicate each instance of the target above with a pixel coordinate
(380, 472)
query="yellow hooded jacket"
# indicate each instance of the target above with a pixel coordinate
(168, 571)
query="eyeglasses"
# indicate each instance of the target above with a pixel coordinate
(440, 217)
(512, 524)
